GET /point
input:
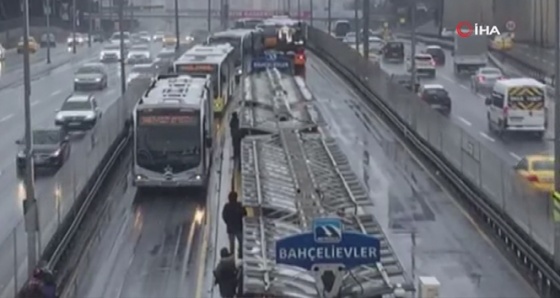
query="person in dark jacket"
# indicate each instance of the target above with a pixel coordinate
(225, 274)
(235, 135)
(233, 214)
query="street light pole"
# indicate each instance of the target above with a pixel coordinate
(365, 17)
(74, 26)
(49, 33)
(177, 33)
(311, 13)
(557, 138)
(329, 15)
(30, 203)
(413, 43)
(299, 10)
(121, 41)
(209, 16)
(357, 24)
(90, 11)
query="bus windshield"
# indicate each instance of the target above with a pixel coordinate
(232, 40)
(168, 139)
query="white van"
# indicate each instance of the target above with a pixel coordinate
(517, 105)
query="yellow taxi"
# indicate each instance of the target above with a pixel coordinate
(169, 40)
(502, 42)
(538, 171)
(33, 45)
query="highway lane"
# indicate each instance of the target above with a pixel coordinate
(469, 112)
(55, 194)
(450, 245)
(151, 249)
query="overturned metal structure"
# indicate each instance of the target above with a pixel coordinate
(291, 172)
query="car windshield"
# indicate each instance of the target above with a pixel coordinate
(140, 48)
(117, 35)
(145, 69)
(490, 72)
(423, 58)
(395, 45)
(45, 137)
(543, 165)
(138, 53)
(89, 69)
(111, 47)
(76, 106)
(436, 92)
(166, 55)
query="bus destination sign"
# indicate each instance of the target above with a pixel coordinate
(167, 119)
(205, 68)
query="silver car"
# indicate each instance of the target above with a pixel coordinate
(91, 76)
(139, 57)
(2, 53)
(485, 78)
(78, 112)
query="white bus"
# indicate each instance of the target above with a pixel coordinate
(173, 133)
(218, 61)
(240, 39)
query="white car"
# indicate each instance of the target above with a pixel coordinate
(116, 38)
(376, 44)
(110, 53)
(138, 57)
(145, 36)
(78, 112)
(350, 38)
(425, 65)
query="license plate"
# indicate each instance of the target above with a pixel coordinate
(74, 123)
(168, 183)
(436, 106)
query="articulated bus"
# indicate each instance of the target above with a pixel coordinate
(218, 61)
(242, 40)
(173, 133)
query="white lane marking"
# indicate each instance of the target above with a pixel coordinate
(465, 87)
(56, 92)
(465, 121)
(6, 118)
(484, 135)
(35, 103)
(515, 155)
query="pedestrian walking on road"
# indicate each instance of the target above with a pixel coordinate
(235, 136)
(232, 215)
(225, 274)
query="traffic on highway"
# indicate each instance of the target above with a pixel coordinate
(275, 154)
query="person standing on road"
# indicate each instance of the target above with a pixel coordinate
(233, 214)
(225, 274)
(235, 136)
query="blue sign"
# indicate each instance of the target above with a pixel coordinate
(271, 60)
(328, 244)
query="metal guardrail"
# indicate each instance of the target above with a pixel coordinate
(288, 177)
(519, 216)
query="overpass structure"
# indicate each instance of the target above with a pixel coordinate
(193, 13)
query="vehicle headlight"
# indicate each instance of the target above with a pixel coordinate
(197, 177)
(141, 177)
(56, 153)
(98, 79)
(76, 80)
(90, 116)
(240, 71)
(59, 117)
(21, 154)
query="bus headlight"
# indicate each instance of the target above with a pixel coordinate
(140, 177)
(197, 177)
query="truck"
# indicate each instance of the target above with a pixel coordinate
(470, 53)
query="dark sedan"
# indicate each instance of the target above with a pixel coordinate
(51, 148)
(91, 76)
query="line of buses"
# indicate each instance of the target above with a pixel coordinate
(174, 122)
